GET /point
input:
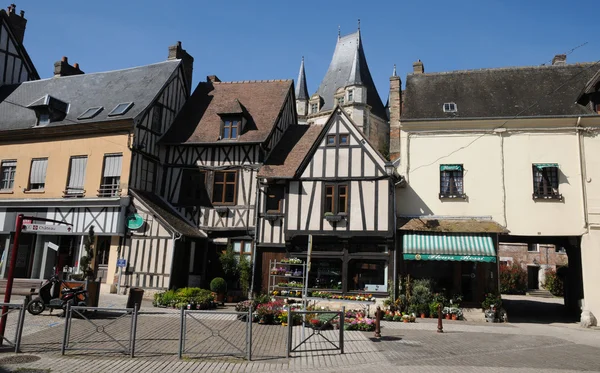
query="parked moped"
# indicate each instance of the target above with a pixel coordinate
(54, 300)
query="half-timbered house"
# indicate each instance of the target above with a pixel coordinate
(328, 181)
(212, 155)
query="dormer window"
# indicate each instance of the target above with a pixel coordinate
(43, 119)
(350, 95)
(340, 100)
(231, 129)
(314, 108)
(315, 103)
(450, 107)
(49, 109)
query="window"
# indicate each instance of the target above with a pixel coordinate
(111, 176)
(275, 195)
(350, 95)
(545, 181)
(314, 108)
(336, 199)
(76, 180)
(103, 249)
(224, 187)
(192, 191)
(242, 248)
(367, 275)
(37, 176)
(90, 113)
(120, 109)
(533, 247)
(331, 140)
(231, 129)
(340, 100)
(8, 169)
(325, 274)
(343, 140)
(157, 114)
(451, 181)
(450, 107)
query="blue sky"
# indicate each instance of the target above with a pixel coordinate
(250, 40)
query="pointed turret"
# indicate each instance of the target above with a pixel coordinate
(301, 95)
(354, 78)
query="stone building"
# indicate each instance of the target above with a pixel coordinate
(535, 258)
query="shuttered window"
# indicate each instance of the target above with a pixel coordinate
(111, 177)
(7, 175)
(76, 176)
(37, 177)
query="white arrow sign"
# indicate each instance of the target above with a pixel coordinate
(46, 228)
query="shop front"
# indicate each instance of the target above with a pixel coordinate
(462, 264)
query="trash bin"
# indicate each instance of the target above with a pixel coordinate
(135, 297)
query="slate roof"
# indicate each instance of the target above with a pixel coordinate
(501, 93)
(139, 85)
(199, 120)
(171, 217)
(344, 71)
(290, 151)
(301, 88)
(450, 225)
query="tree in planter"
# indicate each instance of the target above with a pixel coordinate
(245, 271)
(86, 260)
(229, 265)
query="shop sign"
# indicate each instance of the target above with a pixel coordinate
(463, 258)
(46, 228)
(135, 221)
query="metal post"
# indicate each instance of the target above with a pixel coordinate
(249, 331)
(290, 325)
(65, 336)
(342, 318)
(119, 281)
(378, 322)
(20, 326)
(181, 332)
(440, 327)
(11, 275)
(134, 327)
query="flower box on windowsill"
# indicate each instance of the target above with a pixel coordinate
(333, 218)
(221, 209)
(453, 196)
(272, 215)
(546, 197)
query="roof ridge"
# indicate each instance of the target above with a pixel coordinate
(255, 81)
(508, 68)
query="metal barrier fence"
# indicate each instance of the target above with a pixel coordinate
(320, 327)
(114, 318)
(12, 307)
(215, 333)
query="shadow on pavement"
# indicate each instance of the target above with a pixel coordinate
(535, 310)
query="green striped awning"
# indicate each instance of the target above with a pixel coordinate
(541, 166)
(472, 247)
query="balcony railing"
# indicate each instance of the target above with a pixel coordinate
(75, 192)
(109, 190)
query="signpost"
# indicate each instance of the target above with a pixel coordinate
(25, 228)
(121, 263)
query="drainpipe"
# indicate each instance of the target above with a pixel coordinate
(173, 239)
(582, 172)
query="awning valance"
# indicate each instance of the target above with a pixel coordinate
(453, 247)
(541, 166)
(451, 167)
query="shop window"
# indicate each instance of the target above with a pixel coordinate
(451, 181)
(367, 275)
(325, 274)
(545, 181)
(103, 249)
(336, 199)
(242, 248)
(224, 187)
(275, 195)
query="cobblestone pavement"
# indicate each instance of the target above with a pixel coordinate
(413, 347)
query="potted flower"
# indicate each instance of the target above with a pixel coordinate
(219, 286)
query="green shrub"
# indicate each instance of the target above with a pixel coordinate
(490, 299)
(513, 279)
(199, 298)
(218, 285)
(245, 271)
(554, 284)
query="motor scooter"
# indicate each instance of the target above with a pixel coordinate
(54, 300)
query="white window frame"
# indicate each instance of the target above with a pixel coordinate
(449, 110)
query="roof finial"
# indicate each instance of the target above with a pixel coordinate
(303, 62)
(359, 24)
(394, 73)
(339, 31)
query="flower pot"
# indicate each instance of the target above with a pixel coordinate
(454, 317)
(448, 316)
(405, 320)
(423, 315)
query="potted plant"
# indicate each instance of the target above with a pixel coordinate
(219, 286)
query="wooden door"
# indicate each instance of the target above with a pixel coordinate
(266, 256)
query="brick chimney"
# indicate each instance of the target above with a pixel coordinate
(418, 67)
(559, 59)
(17, 22)
(62, 68)
(213, 79)
(395, 107)
(178, 53)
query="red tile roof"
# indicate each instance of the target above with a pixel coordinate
(199, 120)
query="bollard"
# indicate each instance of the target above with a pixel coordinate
(440, 328)
(378, 322)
